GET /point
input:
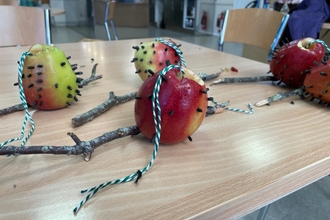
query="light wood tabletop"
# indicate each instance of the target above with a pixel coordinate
(236, 163)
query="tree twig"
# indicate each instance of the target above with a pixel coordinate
(105, 106)
(279, 96)
(12, 109)
(93, 77)
(244, 79)
(82, 147)
(207, 77)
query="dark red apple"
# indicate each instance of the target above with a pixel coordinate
(183, 103)
(293, 61)
(317, 83)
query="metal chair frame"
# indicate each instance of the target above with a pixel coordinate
(108, 15)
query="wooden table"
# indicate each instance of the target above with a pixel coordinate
(236, 163)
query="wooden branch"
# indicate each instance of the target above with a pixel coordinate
(105, 106)
(93, 77)
(244, 79)
(81, 147)
(279, 96)
(12, 109)
(208, 77)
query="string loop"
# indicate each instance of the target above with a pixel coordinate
(25, 105)
(156, 111)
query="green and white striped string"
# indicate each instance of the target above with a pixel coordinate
(26, 108)
(319, 41)
(241, 110)
(176, 48)
(225, 104)
(156, 111)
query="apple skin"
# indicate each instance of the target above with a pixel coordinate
(51, 83)
(293, 60)
(153, 55)
(317, 83)
(183, 103)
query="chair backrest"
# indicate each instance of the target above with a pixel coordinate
(105, 10)
(254, 26)
(24, 25)
(9, 2)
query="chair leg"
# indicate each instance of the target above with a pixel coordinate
(263, 212)
(53, 22)
(114, 29)
(107, 30)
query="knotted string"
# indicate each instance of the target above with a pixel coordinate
(225, 104)
(176, 48)
(26, 108)
(156, 111)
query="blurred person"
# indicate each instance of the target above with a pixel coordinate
(306, 20)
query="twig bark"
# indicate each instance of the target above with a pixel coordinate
(279, 96)
(105, 106)
(207, 77)
(12, 109)
(244, 79)
(82, 147)
(93, 77)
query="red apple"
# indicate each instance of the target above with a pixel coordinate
(183, 103)
(293, 61)
(317, 83)
(153, 55)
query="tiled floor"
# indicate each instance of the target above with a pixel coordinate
(309, 203)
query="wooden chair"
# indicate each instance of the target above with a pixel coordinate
(9, 2)
(21, 25)
(104, 11)
(254, 26)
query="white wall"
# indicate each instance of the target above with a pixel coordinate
(75, 12)
(213, 8)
